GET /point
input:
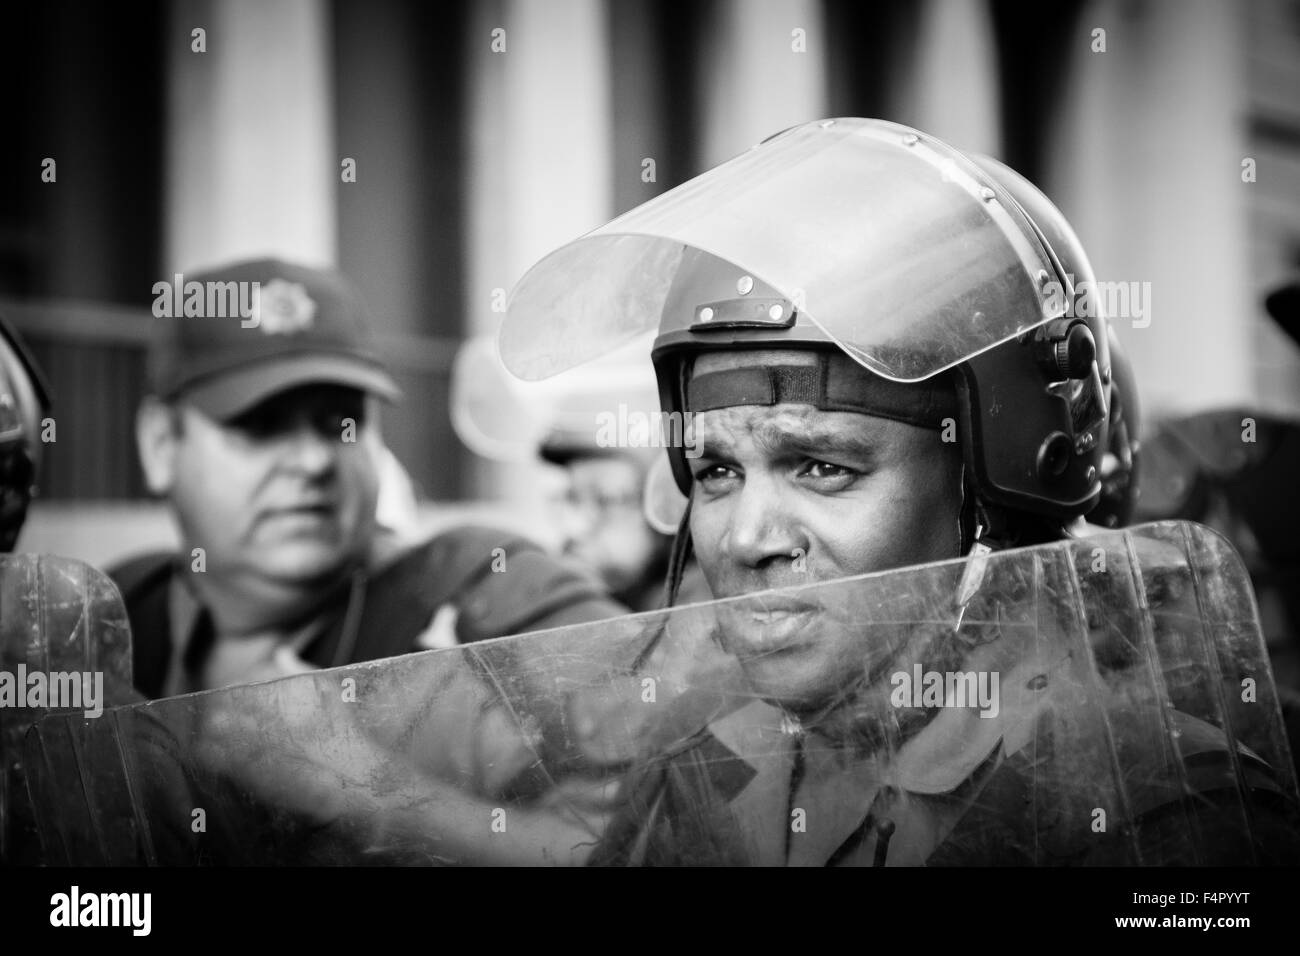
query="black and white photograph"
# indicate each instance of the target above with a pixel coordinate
(660, 433)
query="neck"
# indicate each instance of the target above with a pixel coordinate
(243, 602)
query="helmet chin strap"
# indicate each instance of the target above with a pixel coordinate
(978, 523)
(682, 549)
(679, 556)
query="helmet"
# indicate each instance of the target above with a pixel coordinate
(24, 401)
(940, 289)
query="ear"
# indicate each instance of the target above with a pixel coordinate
(157, 434)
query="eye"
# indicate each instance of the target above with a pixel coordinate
(828, 476)
(332, 423)
(261, 422)
(825, 469)
(331, 419)
(714, 478)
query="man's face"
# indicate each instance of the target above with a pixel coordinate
(285, 491)
(603, 522)
(785, 495)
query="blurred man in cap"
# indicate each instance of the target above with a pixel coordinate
(1234, 469)
(262, 431)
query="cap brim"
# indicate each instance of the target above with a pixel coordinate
(229, 395)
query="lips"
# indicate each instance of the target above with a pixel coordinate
(778, 605)
(768, 624)
(317, 510)
(771, 605)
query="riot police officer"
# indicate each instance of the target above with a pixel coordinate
(890, 358)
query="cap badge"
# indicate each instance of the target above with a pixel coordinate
(284, 308)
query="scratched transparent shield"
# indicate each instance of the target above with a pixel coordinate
(1097, 701)
(65, 647)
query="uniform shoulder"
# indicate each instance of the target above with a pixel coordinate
(509, 584)
(143, 573)
(1198, 797)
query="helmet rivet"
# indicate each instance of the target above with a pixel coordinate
(1091, 474)
(911, 139)
(706, 314)
(744, 284)
(987, 194)
(977, 317)
(776, 311)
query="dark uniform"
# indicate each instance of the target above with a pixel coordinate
(703, 804)
(382, 611)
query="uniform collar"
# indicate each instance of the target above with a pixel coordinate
(943, 754)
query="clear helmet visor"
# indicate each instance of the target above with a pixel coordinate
(898, 248)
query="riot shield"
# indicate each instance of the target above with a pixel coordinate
(65, 647)
(1103, 700)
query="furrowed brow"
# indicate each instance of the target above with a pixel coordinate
(816, 442)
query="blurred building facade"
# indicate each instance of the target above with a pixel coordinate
(483, 134)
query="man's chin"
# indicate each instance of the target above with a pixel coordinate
(788, 678)
(302, 563)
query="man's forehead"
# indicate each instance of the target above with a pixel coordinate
(773, 420)
(751, 358)
(793, 425)
(789, 426)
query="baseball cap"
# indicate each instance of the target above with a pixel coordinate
(229, 338)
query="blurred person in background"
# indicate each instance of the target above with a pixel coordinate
(615, 511)
(603, 526)
(1235, 470)
(262, 431)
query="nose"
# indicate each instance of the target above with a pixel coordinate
(310, 451)
(763, 530)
